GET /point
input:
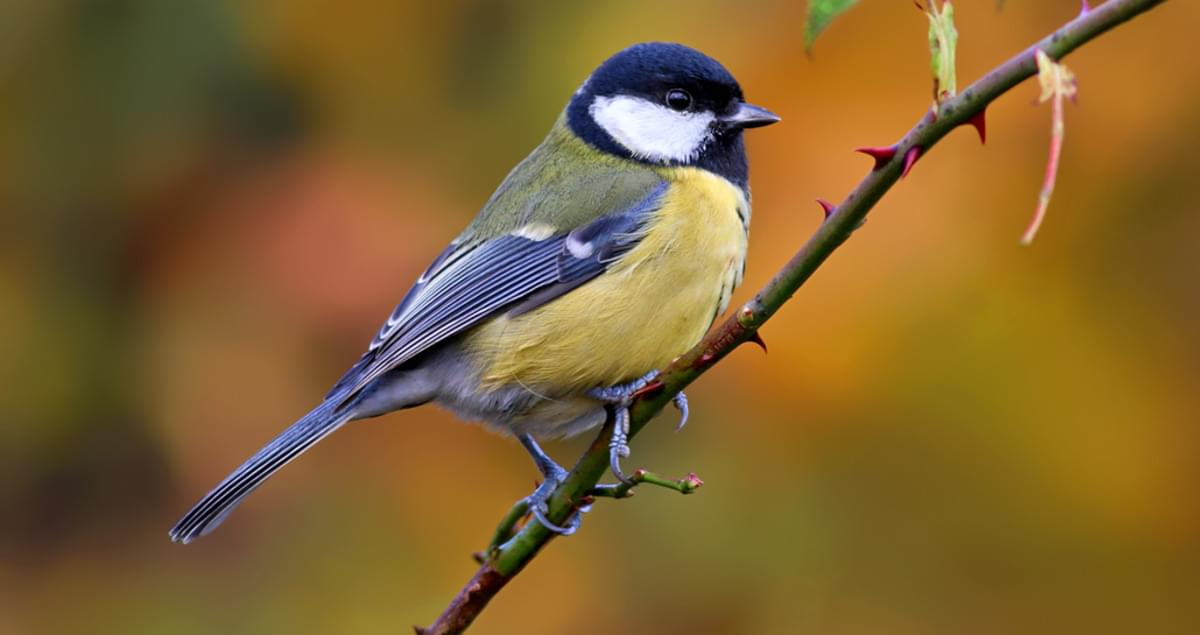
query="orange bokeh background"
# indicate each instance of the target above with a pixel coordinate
(207, 208)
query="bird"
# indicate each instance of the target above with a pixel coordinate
(607, 252)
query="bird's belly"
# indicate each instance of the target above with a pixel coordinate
(651, 306)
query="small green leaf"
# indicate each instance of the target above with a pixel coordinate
(820, 14)
(943, 39)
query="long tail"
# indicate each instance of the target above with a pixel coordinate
(300, 436)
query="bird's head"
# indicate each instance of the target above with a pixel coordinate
(665, 104)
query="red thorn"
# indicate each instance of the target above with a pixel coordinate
(649, 390)
(757, 339)
(979, 121)
(1084, 8)
(910, 158)
(827, 206)
(881, 155)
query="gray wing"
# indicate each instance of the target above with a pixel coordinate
(469, 283)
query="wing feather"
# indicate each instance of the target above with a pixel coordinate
(469, 282)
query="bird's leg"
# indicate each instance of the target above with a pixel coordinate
(620, 397)
(552, 476)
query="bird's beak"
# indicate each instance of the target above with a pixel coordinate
(749, 116)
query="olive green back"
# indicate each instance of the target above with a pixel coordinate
(563, 184)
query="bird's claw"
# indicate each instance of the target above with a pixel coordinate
(537, 504)
(622, 394)
(620, 397)
(539, 514)
(681, 404)
(553, 475)
(618, 447)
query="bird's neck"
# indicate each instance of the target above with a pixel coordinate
(724, 156)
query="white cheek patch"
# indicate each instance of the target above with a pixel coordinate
(653, 131)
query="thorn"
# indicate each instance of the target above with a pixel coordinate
(881, 155)
(704, 360)
(1084, 7)
(478, 557)
(757, 339)
(827, 206)
(910, 158)
(979, 121)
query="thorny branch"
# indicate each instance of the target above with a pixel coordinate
(514, 548)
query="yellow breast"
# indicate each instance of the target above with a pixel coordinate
(648, 308)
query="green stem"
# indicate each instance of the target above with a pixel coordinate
(685, 485)
(507, 561)
(504, 530)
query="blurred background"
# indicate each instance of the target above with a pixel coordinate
(207, 208)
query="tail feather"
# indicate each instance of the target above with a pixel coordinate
(207, 514)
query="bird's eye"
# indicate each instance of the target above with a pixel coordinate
(678, 99)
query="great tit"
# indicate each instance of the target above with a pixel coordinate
(604, 254)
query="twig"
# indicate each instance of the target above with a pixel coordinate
(508, 559)
(504, 530)
(685, 485)
(1057, 82)
(1056, 143)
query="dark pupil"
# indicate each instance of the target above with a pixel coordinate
(679, 99)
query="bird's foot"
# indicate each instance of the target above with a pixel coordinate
(552, 476)
(620, 397)
(537, 505)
